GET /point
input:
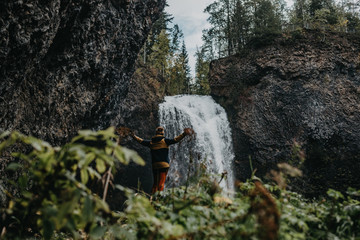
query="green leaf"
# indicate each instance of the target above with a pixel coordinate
(86, 133)
(132, 155)
(335, 194)
(90, 138)
(34, 142)
(352, 210)
(5, 134)
(97, 232)
(10, 141)
(84, 175)
(78, 150)
(120, 156)
(122, 233)
(353, 192)
(13, 166)
(48, 229)
(101, 204)
(89, 158)
(23, 182)
(88, 210)
(100, 165)
(27, 194)
(93, 173)
(108, 133)
(4, 145)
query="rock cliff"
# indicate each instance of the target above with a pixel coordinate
(305, 87)
(65, 64)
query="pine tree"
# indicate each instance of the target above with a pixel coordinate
(300, 16)
(220, 34)
(202, 86)
(185, 69)
(316, 5)
(178, 71)
(176, 36)
(156, 29)
(235, 22)
(265, 19)
(351, 11)
(240, 26)
(160, 51)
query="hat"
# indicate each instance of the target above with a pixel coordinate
(159, 131)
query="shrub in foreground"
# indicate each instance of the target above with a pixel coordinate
(55, 202)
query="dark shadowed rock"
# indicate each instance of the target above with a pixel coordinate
(304, 87)
(65, 65)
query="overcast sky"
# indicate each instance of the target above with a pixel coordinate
(190, 16)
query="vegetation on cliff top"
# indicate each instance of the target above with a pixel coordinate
(55, 199)
(239, 24)
(235, 27)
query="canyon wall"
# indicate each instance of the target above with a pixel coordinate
(302, 90)
(66, 65)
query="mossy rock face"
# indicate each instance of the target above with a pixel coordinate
(304, 87)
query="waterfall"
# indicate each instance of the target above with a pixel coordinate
(211, 148)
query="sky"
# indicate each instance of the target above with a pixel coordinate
(190, 16)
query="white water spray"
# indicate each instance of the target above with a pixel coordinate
(212, 146)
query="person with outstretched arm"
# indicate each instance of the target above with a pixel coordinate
(159, 147)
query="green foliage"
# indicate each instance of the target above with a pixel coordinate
(165, 51)
(55, 201)
(331, 218)
(160, 50)
(236, 23)
(156, 29)
(201, 215)
(198, 216)
(202, 86)
(53, 185)
(326, 15)
(179, 79)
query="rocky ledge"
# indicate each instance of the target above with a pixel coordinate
(302, 90)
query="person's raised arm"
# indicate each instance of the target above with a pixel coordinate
(178, 138)
(140, 140)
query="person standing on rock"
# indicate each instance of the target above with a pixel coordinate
(159, 147)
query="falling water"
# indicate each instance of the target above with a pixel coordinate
(211, 148)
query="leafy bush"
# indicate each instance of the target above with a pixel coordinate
(54, 193)
(256, 211)
(55, 201)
